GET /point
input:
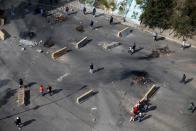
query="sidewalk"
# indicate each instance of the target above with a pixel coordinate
(77, 5)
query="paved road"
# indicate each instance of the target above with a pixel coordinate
(70, 77)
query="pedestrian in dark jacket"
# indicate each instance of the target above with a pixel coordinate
(91, 68)
(67, 9)
(20, 81)
(94, 11)
(18, 123)
(84, 10)
(111, 20)
(183, 79)
(49, 89)
(91, 24)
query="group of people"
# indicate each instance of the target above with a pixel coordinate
(138, 110)
(94, 14)
(41, 88)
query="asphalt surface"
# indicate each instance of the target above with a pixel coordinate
(69, 76)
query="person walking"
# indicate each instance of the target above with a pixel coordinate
(183, 79)
(94, 11)
(67, 9)
(91, 24)
(140, 115)
(111, 20)
(132, 49)
(41, 90)
(155, 36)
(18, 123)
(49, 89)
(20, 81)
(91, 68)
(84, 10)
(192, 107)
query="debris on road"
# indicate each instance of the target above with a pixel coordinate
(141, 80)
(80, 28)
(111, 45)
(49, 43)
(28, 43)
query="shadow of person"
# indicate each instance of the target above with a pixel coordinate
(188, 80)
(151, 108)
(28, 122)
(99, 69)
(160, 38)
(55, 91)
(30, 84)
(146, 117)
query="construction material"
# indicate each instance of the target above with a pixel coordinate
(85, 96)
(59, 53)
(150, 93)
(110, 45)
(2, 35)
(82, 43)
(21, 96)
(123, 33)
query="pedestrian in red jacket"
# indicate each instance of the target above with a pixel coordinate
(41, 90)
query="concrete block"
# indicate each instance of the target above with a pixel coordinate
(111, 45)
(82, 43)
(123, 33)
(150, 93)
(21, 96)
(59, 53)
(84, 96)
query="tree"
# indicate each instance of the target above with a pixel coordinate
(157, 13)
(184, 18)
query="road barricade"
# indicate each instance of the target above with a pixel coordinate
(123, 33)
(59, 53)
(85, 96)
(82, 43)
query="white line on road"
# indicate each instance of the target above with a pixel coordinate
(63, 76)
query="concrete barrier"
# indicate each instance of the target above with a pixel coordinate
(123, 33)
(150, 93)
(21, 96)
(59, 53)
(84, 96)
(2, 35)
(110, 45)
(82, 43)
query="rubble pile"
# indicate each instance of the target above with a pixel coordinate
(141, 80)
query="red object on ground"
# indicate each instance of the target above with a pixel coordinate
(41, 89)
